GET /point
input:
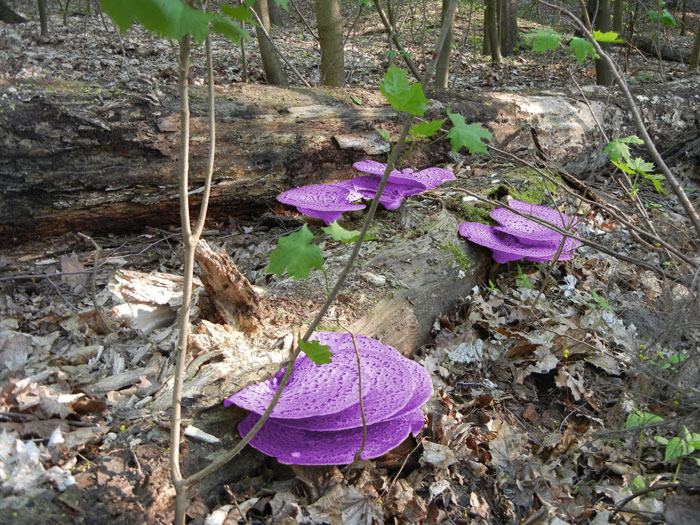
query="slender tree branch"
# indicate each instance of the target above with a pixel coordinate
(397, 43)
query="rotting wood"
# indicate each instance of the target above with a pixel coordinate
(76, 157)
(237, 303)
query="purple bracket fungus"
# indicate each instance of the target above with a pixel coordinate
(323, 201)
(518, 237)
(426, 179)
(392, 194)
(318, 421)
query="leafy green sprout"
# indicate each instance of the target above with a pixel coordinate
(522, 279)
(600, 302)
(679, 447)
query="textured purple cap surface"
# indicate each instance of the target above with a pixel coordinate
(307, 447)
(391, 197)
(527, 229)
(507, 247)
(396, 386)
(323, 201)
(425, 179)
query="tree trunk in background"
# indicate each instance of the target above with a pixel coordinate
(491, 30)
(508, 27)
(618, 16)
(8, 16)
(44, 19)
(603, 74)
(695, 53)
(275, 12)
(442, 70)
(273, 69)
(330, 35)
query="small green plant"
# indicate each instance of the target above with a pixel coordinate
(522, 280)
(679, 447)
(491, 287)
(669, 362)
(635, 167)
(600, 302)
(662, 15)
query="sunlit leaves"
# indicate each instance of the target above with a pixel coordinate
(467, 135)
(619, 149)
(318, 353)
(639, 418)
(425, 130)
(401, 95)
(582, 48)
(175, 19)
(544, 40)
(610, 37)
(296, 255)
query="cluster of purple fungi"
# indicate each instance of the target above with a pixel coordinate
(329, 201)
(317, 419)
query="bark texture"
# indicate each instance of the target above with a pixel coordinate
(75, 157)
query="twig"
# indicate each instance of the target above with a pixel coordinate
(662, 486)
(108, 327)
(394, 38)
(303, 21)
(362, 406)
(387, 492)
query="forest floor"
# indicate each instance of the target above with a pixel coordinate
(559, 391)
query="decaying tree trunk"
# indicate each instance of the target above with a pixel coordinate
(667, 52)
(76, 157)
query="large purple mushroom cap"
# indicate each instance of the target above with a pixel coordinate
(526, 229)
(318, 421)
(425, 179)
(307, 447)
(506, 247)
(323, 201)
(392, 194)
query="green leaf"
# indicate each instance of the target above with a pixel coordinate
(244, 13)
(468, 136)
(425, 130)
(619, 149)
(543, 40)
(356, 100)
(339, 233)
(641, 419)
(317, 352)
(677, 448)
(401, 95)
(229, 29)
(638, 483)
(384, 134)
(639, 165)
(656, 180)
(582, 48)
(296, 255)
(610, 36)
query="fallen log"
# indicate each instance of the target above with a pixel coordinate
(658, 49)
(76, 157)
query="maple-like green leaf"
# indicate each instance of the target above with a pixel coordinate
(401, 95)
(318, 353)
(582, 48)
(296, 255)
(425, 130)
(467, 135)
(639, 165)
(610, 36)
(618, 148)
(543, 40)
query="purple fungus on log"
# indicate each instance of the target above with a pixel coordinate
(319, 421)
(426, 179)
(527, 230)
(323, 201)
(392, 194)
(507, 247)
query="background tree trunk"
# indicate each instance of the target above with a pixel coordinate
(8, 16)
(442, 70)
(603, 75)
(330, 35)
(508, 26)
(695, 53)
(275, 13)
(618, 17)
(44, 19)
(491, 30)
(274, 73)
